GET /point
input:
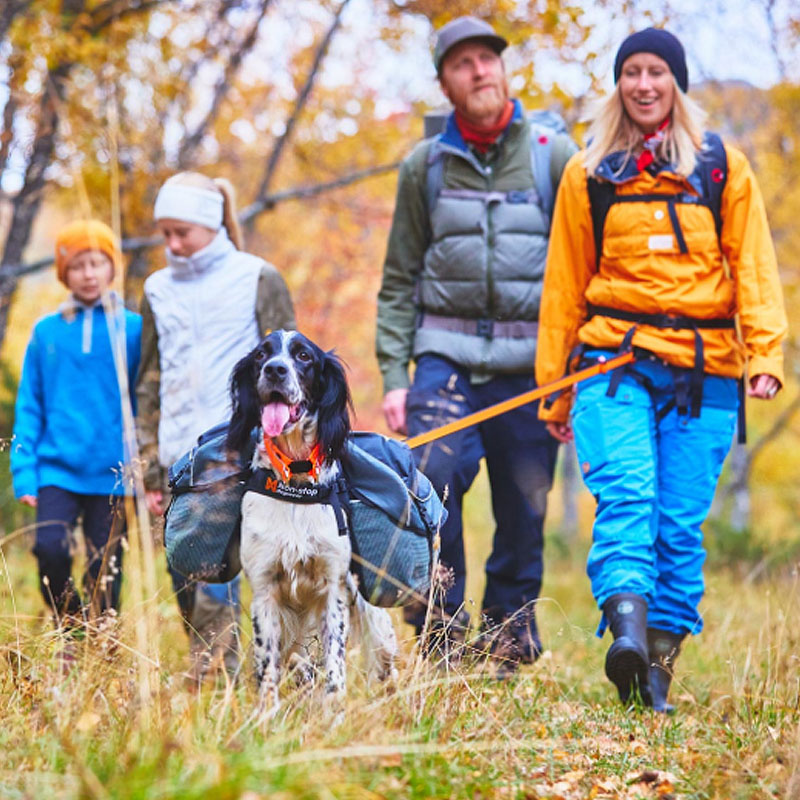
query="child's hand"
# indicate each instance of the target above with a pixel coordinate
(155, 503)
(29, 500)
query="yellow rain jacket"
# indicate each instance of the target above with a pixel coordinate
(642, 270)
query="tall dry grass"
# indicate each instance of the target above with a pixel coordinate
(553, 730)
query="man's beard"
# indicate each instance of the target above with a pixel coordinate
(487, 103)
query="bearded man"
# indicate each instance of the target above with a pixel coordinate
(460, 297)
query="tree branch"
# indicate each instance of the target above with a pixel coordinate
(277, 150)
(774, 39)
(9, 10)
(108, 13)
(259, 207)
(224, 84)
(7, 134)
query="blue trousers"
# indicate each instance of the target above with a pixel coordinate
(103, 525)
(654, 481)
(520, 458)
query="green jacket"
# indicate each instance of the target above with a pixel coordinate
(476, 256)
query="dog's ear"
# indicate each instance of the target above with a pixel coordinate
(244, 403)
(333, 420)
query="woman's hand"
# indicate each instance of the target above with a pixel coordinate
(155, 503)
(561, 431)
(29, 500)
(763, 386)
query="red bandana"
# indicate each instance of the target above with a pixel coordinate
(482, 138)
(650, 144)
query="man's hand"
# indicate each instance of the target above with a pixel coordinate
(394, 410)
(29, 500)
(763, 386)
(155, 502)
(561, 431)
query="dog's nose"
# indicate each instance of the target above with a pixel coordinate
(275, 369)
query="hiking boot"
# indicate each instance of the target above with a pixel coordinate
(526, 636)
(445, 641)
(627, 660)
(517, 633)
(213, 638)
(663, 649)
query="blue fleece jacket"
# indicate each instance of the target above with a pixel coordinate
(68, 416)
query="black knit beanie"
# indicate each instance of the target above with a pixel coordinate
(662, 44)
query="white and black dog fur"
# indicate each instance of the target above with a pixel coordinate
(293, 555)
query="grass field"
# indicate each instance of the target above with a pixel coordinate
(123, 724)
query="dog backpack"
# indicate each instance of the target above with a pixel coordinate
(201, 531)
(393, 513)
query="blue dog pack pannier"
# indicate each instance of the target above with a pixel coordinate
(394, 514)
(201, 532)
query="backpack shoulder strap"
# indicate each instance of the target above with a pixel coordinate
(541, 151)
(601, 198)
(434, 174)
(548, 133)
(713, 168)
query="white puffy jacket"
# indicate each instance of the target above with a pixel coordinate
(205, 315)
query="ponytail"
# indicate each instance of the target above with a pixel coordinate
(229, 220)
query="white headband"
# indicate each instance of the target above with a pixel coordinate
(189, 204)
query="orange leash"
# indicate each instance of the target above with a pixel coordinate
(520, 400)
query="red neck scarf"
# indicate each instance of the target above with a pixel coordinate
(482, 138)
(650, 144)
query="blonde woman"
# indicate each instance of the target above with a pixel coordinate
(209, 307)
(659, 244)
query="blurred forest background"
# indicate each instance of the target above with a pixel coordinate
(307, 107)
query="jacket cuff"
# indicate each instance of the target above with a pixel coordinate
(764, 365)
(25, 483)
(395, 378)
(559, 411)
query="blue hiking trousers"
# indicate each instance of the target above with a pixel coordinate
(654, 481)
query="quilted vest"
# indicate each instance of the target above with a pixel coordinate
(485, 260)
(204, 310)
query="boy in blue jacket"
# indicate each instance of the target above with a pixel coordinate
(67, 452)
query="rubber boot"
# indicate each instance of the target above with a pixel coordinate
(663, 648)
(627, 660)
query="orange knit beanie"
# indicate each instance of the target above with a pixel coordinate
(85, 234)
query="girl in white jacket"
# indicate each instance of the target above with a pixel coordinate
(209, 307)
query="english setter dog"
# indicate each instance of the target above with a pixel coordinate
(294, 553)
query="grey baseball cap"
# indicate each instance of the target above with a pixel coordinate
(459, 30)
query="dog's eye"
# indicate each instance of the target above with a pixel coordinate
(260, 356)
(303, 355)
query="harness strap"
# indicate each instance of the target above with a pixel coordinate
(488, 328)
(265, 481)
(616, 376)
(665, 321)
(670, 200)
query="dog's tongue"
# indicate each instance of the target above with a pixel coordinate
(274, 417)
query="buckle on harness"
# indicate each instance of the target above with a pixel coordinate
(485, 328)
